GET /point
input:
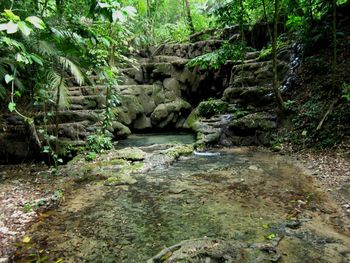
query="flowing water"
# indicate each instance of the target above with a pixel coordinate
(240, 195)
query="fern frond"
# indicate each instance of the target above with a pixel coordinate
(72, 68)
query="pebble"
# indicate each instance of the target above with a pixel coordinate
(253, 167)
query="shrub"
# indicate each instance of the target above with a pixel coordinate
(98, 143)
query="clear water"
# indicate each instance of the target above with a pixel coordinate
(240, 195)
(137, 140)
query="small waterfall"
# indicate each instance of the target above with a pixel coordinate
(295, 62)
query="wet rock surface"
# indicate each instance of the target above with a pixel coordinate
(212, 250)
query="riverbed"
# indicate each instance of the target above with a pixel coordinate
(241, 196)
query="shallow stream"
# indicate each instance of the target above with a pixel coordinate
(241, 195)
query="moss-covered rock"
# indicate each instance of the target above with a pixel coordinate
(211, 107)
(119, 130)
(120, 180)
(167, 114)
(192, 119)
(254, 121)
(247, 95)
(179, 150)
(130, 154)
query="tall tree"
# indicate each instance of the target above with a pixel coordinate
(334, 42)
(60, 6)
(241, 25)
(276, 86)
(189, 16)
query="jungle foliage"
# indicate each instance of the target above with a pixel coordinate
(44, 44)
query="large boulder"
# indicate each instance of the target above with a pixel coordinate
(170, 114)
(252, 129)
(119, 130)
(129, 110)
(256, 96)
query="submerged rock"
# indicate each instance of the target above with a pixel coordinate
(213, 251)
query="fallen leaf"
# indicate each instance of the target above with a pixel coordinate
(26, 240)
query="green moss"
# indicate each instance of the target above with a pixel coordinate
(120, 179)
(130, 154)
(192, 119)
(179, 150)
(211, 107)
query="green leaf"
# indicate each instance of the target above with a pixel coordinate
(12, 106)
(265, 226)
(11, 28)
(36, 22)
(10, 15)
(24, 28)
(17, 94)
(46, 149)
(37, 59)
(8, 78)
(271, 236)
(26, 240)
(118, 16)
(3, 26)
(130, 11)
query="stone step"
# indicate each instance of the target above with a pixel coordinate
(163, 59)
(76, 107)
(255, 95)
(72, 130)
(73, 93)
(252, 55)
(86, 90)
(253, 65)
(188, 51)
(66, 116)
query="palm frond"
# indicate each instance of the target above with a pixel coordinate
(67, 35)
(56, 81)
(19, 84)
(46, 48)
(3, 72)
(2, 92)
(72, 68)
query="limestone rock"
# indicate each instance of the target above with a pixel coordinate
(252, 129)
(248, 95)
(142, 123)
(168, 113)
(119, 130)
(213, 250)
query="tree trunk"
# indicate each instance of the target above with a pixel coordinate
(60, 6)
(276, 87)
(267, 21)
(241, 25)
(57, 111)
(148, 9)
(334, 60)
(311, 15)
(189, 16)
